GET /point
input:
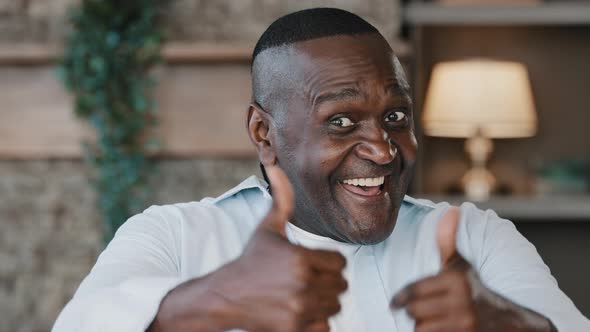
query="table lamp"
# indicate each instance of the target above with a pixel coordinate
(479, 99)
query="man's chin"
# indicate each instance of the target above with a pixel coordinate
(368, 225)
(368, 232)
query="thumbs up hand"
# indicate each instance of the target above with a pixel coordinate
(456, 300)
(277, 286)
(446, 237)
(446, 301)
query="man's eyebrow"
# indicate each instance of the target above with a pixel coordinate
(340, 95)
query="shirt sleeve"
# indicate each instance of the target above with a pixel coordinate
(510, 265)
(132, 275)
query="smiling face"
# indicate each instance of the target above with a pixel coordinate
(339, 122)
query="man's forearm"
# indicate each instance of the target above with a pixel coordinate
(193, 306)
(505, 315)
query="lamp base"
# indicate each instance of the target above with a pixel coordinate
(478, 182)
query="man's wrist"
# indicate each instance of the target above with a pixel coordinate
(195, 306)
(499, 313)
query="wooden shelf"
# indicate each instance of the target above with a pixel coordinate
(531, 209)
(172, 52)
(206, 52)
(541, 14)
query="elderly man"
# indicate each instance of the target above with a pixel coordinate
(341, 247)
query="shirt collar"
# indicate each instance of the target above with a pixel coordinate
(299, 236)
(252, 182)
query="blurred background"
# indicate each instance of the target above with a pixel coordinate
(108, 108)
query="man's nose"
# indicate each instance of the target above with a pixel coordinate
(379, 150)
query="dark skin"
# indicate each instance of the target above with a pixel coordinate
(356, 118)
(273, 286)
(328, 110)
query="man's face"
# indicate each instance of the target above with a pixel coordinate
(346, 138)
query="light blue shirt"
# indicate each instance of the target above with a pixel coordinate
(156, 250)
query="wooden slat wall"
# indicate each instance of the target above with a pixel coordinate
(202, 97)
(35, 115)
(203, 110)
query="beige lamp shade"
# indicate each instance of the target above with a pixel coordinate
(489, 97)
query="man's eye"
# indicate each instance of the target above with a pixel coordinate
(342, 122)
(395, 116)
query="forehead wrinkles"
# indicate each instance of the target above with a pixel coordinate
(335, 73)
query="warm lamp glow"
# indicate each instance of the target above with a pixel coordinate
(479, 99)
(493, 97)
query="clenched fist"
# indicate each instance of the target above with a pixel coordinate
(455, 300)
(273, 286)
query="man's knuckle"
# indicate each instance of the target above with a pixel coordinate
(302, 270)
(414, 289)
(322, 326)
(297, 306)
(465, 288)
(467, 322)
(343, 284)
(303, 276)
(301, 256)
(340, 260)
(459, 281)
(413, 309)
(335, 308)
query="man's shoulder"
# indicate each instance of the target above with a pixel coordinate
(423, 213)
(478, 231)
(426, 206)
(419, 203)
(251, 188)
(415, 210)
(238, 207)
(251, 185)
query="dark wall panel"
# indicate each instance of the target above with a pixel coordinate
(565, 248)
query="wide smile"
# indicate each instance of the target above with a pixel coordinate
(365, 187)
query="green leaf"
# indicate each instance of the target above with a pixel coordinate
(107, 65)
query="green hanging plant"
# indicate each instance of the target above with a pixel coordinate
(107, 66)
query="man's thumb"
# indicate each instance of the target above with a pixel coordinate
(282, 201)
(446, 236)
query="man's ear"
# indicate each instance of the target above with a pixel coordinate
(259, 132)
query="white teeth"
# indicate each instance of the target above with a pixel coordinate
(367, 182)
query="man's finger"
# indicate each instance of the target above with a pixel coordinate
(437, 325)
(318, 326)
(446, 235)
(325, 260)
(334, 281)
(429, 308)
(427, 287)
(322, 304)
(282, 201)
